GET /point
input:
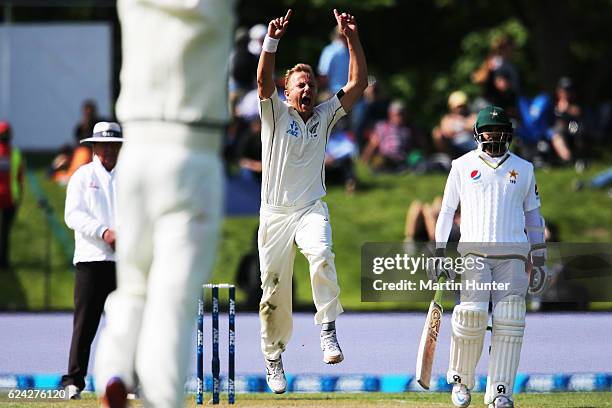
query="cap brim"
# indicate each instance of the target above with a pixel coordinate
(102, 140)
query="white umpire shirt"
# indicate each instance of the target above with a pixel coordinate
(293, 152)
(90, 210)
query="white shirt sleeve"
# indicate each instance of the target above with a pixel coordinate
(270, 111)
(534, 224)
(450, 201)
(532, 198)
(76, 214)
(333, 111)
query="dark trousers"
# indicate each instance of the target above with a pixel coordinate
(7, 215)
(94, 282)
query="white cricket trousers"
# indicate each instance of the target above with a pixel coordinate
(169, 211)
(279, 229)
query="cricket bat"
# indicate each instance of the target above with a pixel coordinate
(429, 339)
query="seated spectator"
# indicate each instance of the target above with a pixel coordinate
(501, 92)
(68, 164)
(500, 58)
(248, 150)
(569, 126)
(421, 222)
(455, 134)
(370, 110)
(242, 68)
(69, 160)
(392, 145)
(601, 180)
(534, 130)
(339, 153)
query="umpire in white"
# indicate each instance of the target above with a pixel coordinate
(90, 212)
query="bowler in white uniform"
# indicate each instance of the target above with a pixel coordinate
(500, 224)
(294, 135)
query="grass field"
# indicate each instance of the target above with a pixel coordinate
(375, 213)
(346, 400)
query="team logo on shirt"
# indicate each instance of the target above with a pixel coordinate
(312, 129)
(475, 175)
(294, 129)
(513, 176)
(92, 184)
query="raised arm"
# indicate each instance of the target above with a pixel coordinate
(358, 69)
(265, 68)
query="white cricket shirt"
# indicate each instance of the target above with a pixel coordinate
(90, 210)
(293, 152)
(493, 197)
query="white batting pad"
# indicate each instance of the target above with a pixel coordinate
(506, 342)
(468, 330)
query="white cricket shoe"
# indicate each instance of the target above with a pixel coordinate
(332, 353)
(461, 396)
(275, 376)
(72, 392)
(501, 401)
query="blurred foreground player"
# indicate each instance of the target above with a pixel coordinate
(499, 201)
(294, 135)
(173, 107)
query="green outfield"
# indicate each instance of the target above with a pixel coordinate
(346, 400)
(376, 212)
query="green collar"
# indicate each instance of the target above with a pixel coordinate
(494, 165)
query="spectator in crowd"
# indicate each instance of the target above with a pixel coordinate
(372, 108)
(11, 187)
(243, 65)
(499, 60)
(89, 117)
(90, 212)
(257, 33)
(70, 159)
(391, 141)
(568, 130)
(534, 129)
(455, 135)
(333, 65)
(601, 180)
(248, 150)
(68, 162)
(500, 91)
(339, 153)
(421, 222)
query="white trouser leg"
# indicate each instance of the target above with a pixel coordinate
(188, 215)
(469, 324)
(276, 255)
(162, 263)
(314, 238)
(506, 342)
(116, 349)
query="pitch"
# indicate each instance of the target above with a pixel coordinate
(346, 400)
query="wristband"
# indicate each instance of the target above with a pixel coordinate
(270, 44)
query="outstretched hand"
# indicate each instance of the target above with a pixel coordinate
(277, 27)
(346, 23)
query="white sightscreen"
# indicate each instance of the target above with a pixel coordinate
(46, 72)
